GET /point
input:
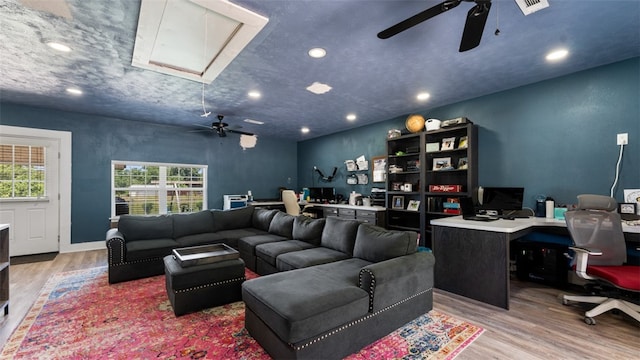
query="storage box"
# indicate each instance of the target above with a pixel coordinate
(445, 188)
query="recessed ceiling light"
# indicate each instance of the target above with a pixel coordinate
(58, 46)
(251, 121)
(74, 91)
(557, 55)
(254, 94)
(423, 96)
(317, 53)
(351, 117)
(305, 130)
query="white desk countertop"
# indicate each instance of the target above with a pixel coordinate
(511, 226)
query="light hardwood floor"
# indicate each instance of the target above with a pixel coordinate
(537, 326)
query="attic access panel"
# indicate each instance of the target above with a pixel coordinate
(192, 39)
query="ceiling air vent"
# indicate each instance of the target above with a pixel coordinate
(531, 6)
(192, 39)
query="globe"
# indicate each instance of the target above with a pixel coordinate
(415, 123)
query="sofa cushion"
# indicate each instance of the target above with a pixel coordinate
(193, 223)
(310, 257)
(282, 224)
(233, 218)
(308, 229)
(136, 227)
(149, 249)
(248, 244)
(270, 251)
(200, 239)
(339, 234)
(231, 237)
(376, 244)
(262, 218)
(304, 303)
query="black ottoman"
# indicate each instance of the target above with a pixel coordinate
(203, 286)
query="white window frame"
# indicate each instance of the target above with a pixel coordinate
(162, 182)
(29, 181)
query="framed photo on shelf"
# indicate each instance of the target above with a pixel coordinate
(463, 163)
(398, 202)
(464, 143)
(448, 143)
(627, 208)
(414, 205)
(442, 164)
(432, 147)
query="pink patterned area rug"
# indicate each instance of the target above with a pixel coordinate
(79, 315)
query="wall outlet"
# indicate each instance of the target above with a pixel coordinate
(622, 139)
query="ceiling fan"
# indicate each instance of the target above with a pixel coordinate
(221, 128)
(473, 27)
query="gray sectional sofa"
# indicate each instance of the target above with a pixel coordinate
(329, 286)
(136, 248)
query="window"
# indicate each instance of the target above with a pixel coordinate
(155, 188)
(22, 171)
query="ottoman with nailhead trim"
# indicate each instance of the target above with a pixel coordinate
(199, 287)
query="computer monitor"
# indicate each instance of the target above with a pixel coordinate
(500, 199)
(322, 194)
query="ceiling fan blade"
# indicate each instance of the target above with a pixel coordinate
(203, 126)
(418, 18)
(240, 132)
(474, 26)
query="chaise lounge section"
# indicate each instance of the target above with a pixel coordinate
(331, 310)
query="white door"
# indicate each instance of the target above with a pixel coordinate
(34, 213)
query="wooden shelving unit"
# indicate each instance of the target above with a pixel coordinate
(405, 156)
(456, 174)
(4, 268)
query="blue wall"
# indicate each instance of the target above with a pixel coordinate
(96, 141)
(556, 137)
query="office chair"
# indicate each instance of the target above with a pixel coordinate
(290, 202)
(601, 252)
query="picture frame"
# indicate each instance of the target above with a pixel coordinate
(463, 163)
(633, 196)
(443, 163)
(414, 205)
(379, 168)
(627, 208)
(433, 147)
(463, 143)
(397, 202)
(448, 143)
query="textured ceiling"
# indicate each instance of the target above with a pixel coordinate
(375, 79)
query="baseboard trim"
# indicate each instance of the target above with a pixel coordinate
(85, 246)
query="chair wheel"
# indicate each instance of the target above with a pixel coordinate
(589, 320)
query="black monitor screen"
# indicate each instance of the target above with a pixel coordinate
(322, 194)
(501, 198)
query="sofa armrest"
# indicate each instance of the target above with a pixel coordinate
(115, 247)
(391, 281)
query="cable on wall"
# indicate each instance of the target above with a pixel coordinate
(205, 113)
(615, 181)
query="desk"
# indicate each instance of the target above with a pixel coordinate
(268, 204)
(472, 257)
(369, 214)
